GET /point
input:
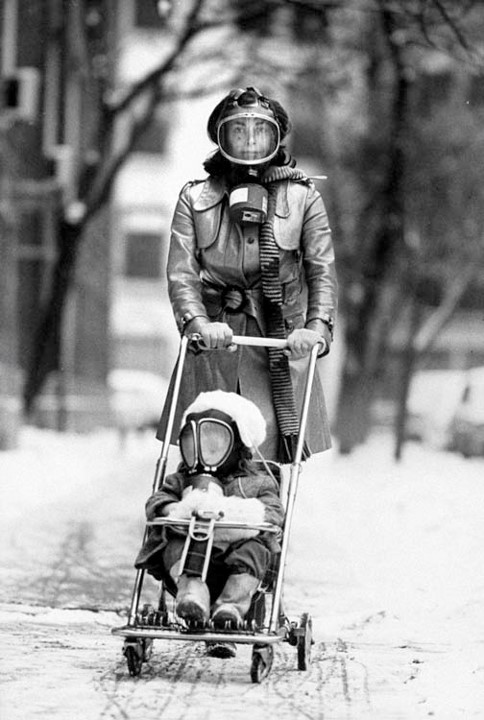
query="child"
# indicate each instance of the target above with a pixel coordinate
(217, 478)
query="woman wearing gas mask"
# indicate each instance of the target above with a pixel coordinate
(217, 478)
(251, 254)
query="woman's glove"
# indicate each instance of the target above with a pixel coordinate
(300, 343)
(213, 334)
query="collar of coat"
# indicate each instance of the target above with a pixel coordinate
(214, 190)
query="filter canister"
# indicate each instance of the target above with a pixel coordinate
(248, 203)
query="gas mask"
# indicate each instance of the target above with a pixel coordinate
(210, 443)
(249, 137)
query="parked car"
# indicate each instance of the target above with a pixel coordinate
(137, 398)
(433, 398)
(467, 429)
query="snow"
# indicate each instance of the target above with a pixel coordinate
(431, 410)
(385, 555)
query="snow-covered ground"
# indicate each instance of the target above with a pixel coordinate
(388, 558)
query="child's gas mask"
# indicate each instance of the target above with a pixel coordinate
(249, 137)
(210, 444)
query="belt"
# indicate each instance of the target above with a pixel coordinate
(232, 299)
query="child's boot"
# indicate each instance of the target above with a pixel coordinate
(233, 603)
(192, 599)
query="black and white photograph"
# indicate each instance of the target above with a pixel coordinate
(241, 359)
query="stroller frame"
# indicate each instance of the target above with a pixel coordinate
(149, 624)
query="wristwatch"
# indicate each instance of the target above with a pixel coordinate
(329, 322)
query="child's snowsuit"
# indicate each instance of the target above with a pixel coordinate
(251, 498)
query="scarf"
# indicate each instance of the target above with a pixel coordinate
(281, 384)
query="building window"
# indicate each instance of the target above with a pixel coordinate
(146, 14)
(143, 256)
(254, 16)
(309, 24)
(31, 228)
(305, 140)
(434, 90)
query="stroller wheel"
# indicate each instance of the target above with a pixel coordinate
(147, 645)
(262, 657)
(133, 652)
(304, 642)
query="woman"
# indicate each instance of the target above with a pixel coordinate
(251, 254)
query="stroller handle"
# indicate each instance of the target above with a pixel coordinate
(259, 341)
(196, 339)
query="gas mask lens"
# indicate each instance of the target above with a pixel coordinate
(188, 446)
(206, 444)
(248, 138)
(216, 442)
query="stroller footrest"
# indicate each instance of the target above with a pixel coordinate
(199, 636)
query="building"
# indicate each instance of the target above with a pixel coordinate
(48, 117)
(170, 153)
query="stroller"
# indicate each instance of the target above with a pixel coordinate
(266, 623)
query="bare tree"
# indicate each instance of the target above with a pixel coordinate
(445, 252)
(384, 35)
(379, 273)
(364, 134)
(132, 110)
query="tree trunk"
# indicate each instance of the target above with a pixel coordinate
(47, 342)
(408, 360)
(381, 226)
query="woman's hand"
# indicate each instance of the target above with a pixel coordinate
(213, 335)
(300, 343)
(216, 335)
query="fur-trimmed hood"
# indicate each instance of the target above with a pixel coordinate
(246, 415)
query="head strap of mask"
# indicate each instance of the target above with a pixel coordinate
(249, 97)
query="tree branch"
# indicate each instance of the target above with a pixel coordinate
(430, 330)
(192, 27)
(106, 175)
(449, 21)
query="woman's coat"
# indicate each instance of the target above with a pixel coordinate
(214, 271)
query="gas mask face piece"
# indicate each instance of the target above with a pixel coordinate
(248, 138)
(208, 443)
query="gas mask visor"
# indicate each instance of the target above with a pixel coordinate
(248, 138)
(206, 444)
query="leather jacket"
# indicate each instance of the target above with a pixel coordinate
(207, 251)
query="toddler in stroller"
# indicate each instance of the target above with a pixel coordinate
(217, 478)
